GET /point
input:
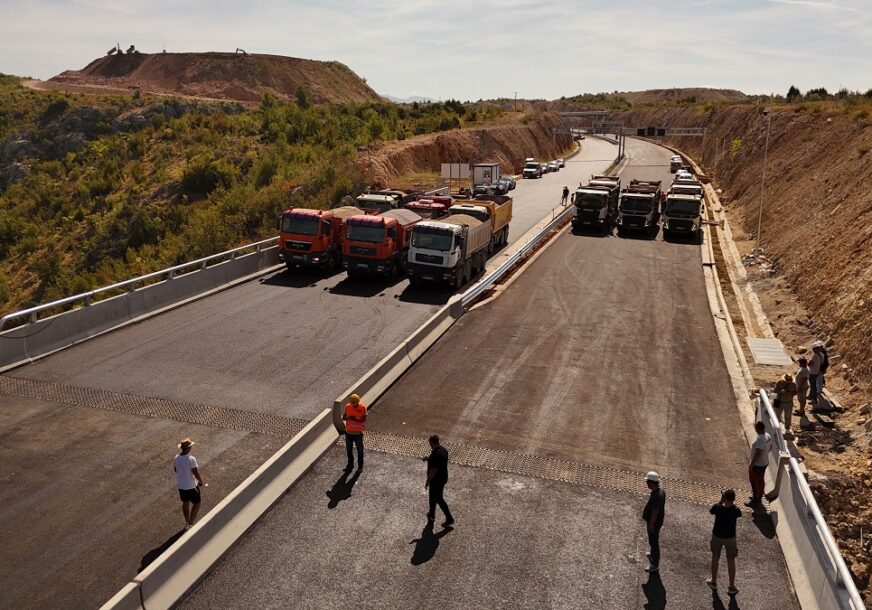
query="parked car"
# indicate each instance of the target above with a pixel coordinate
(553, 166)
(497, 188)
(561, 162)
(509, 181)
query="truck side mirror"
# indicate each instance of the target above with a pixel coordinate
(325, 228)
(279, 223)
(392, 232)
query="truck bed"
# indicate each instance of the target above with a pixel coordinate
(479, 235)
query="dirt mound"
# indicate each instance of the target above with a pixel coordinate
(507, 144)
(222, 76)
(696, 94)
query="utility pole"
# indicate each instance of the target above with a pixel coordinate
(768, 114)
(515, 107)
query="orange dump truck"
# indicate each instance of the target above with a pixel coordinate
(378, 244)
(313, 238)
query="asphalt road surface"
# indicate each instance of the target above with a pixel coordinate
(87, 434)
(600, 362)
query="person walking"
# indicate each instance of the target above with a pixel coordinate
(759, 461)
(802, 378)
(437, 478)
(188, 480)
(724, 537)
(785, 390)
(814, 370)
(652, 515)
(355, 423)
(565, 198)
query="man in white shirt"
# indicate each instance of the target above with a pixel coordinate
(188, 480)
(759, 461)
(802, 378)
(814, 370)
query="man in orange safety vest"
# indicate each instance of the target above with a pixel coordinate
(355, 423)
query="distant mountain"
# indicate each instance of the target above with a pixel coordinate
(409, 100)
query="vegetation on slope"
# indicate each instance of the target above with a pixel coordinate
(97, 189)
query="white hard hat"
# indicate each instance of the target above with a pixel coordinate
(653, 477)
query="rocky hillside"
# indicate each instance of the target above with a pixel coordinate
(240, 77)
(509, 144)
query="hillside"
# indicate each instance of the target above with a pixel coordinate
(229, 76)
(698, 94)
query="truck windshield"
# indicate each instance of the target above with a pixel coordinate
(636, 204)
(682, 206)
(377, 206)
(432, 239)
(532, 166)
(366, 232)
(300, 225)
(590, 202)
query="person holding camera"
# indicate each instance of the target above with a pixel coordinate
(724, 537)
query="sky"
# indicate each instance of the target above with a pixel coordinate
(476, 50)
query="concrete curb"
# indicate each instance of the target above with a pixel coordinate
(163, 583)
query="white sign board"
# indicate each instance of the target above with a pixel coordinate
(455, 171)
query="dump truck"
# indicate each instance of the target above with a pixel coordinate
(499, 215)
(377, 244)
(313, 238)
(639, 206)
(377, 202)
(450, 250)
(434, 206)
(682, 213)
(596, 203)
(675, 163)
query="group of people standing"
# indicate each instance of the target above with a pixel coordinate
(723, 538)
(807, 385)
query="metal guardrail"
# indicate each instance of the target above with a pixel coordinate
(86, 298)
(837, 572)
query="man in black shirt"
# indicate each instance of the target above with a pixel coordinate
(653, 517)
(724, 536)
(437, 477)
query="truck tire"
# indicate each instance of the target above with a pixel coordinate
(467, 272)
(330, 267)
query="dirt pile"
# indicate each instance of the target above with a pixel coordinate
(508, 144)
(241, 77)
(697, 94)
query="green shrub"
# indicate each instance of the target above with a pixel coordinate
(202, 176)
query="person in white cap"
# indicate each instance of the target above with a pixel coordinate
(188, 480)
(652, 515)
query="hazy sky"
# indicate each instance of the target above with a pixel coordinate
(476, 49)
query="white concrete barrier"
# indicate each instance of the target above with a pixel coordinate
(128, 598)
(26, 343)
(189, 559)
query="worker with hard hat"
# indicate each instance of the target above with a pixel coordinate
(355, 423)
(653, 517)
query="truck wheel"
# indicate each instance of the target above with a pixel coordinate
(330, 267)
(467, 272)
(458, 279)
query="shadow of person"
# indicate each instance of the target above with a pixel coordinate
(655, 593)
(764, 523)
(717, 604)
(426, 545)
(341, 489)
(154, 553)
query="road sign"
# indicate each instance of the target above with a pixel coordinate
(455, 171)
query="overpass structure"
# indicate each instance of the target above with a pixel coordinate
(599, 362)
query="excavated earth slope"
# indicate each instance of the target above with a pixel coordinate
(507, 144)
(222, 76)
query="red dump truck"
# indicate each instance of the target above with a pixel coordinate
(313, 238)
(431, 206)
(378, 244)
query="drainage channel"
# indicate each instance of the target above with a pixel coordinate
(536, 466)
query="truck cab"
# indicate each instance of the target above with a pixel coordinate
(639, 207)
(377, 244)
(682, 213)
(532, 169)
(675, 163)
(594, 207)
(313, 238)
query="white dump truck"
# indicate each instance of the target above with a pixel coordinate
(450, 250)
